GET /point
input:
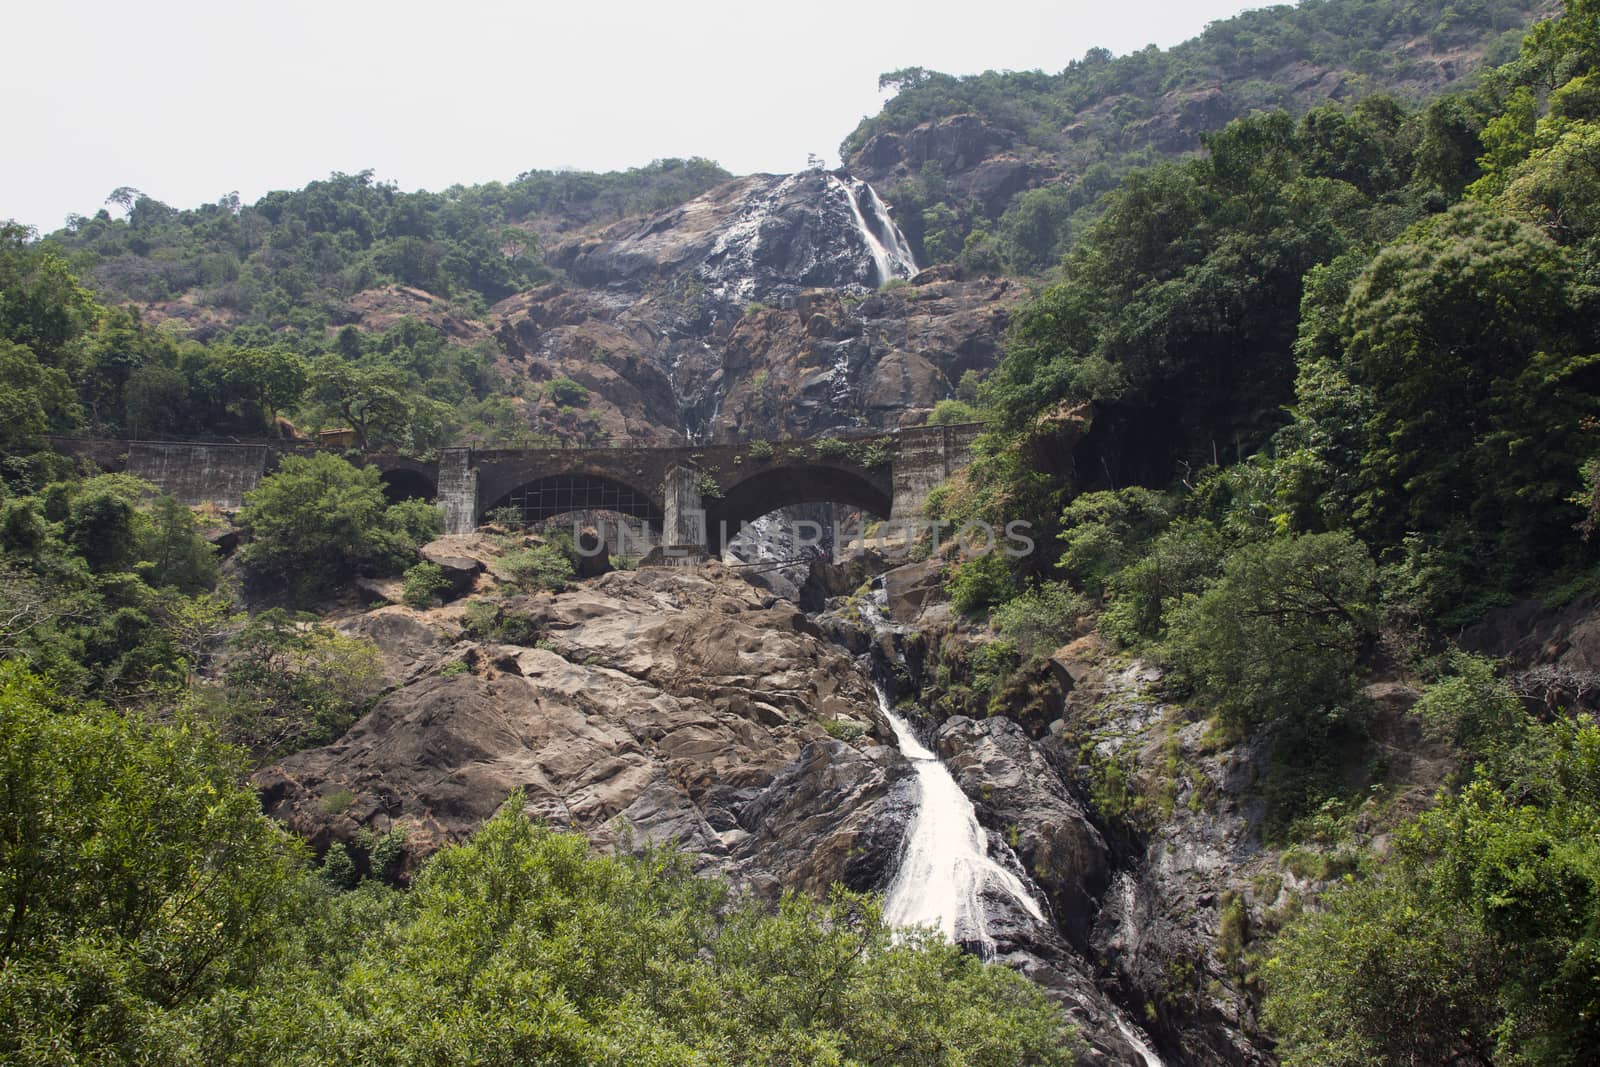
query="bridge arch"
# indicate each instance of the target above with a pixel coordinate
(552, 496)
(766, 490)
(406, 483)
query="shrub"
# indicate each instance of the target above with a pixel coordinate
(416, 520)
(979, 584)
(845, 730)
(480, 617)
(1279, 635)
(506, 517)
(1182, 560)
(953, 413)
(1472, 709)
(831, 448)
(1042, 620)
(423, 584)
(565, 393)
(292, 683)
(543, 567)
(875, 454)
(1105, 531)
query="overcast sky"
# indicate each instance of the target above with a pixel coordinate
(188, 101)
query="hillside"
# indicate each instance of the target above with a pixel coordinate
(1267, 735)
(1023, 156)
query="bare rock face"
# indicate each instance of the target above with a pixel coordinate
(1019, 795)
(984, 164)
(757, 238)
(753, 309)
(1554, 652)
(660, 705)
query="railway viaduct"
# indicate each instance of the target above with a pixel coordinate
(693, 496)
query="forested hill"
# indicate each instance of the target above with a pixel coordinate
(1023, 156)
(292, 257)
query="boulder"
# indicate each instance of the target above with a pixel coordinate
(912, 588)
(459, 570)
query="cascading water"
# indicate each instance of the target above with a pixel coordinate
(890, 253)
(946, 867)
(899, 247)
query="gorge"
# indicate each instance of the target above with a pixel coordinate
(1104, 576)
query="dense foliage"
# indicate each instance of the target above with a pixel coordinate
(1294, 413)
(261, 289)
(317, 520)
(1479, 943)
(292, 257)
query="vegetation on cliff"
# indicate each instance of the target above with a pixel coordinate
(1326, 393)
(1101, 116)
(1340, 387)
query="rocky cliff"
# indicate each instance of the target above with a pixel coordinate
(757, 309)
(689, 705)
(970, 145)
(770, 305)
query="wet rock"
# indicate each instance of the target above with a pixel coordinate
(912, 588)
(1019, 795)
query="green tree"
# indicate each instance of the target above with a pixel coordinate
(1277, 638)
(36, 399)
(1476, 943)
(139, 881)
(42, 304)
(274, 378)
(318, 521)
(172, 550)
(103, 522)
(365, 398)
(1471, 343)
(519, 946)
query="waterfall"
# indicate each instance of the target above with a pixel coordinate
(892, 259)
(1141, 1047)
(899, 247)
(946, 867)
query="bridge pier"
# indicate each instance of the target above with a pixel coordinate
(458, 490)
(683, 524)
(924, 458)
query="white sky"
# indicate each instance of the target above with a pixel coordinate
(188, 101)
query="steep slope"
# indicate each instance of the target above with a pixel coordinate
(755, 309)
(957, 155)
(682, 705)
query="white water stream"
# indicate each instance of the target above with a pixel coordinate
(946, 867)
(892, 259)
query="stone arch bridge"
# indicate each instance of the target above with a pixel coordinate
(693, 496)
